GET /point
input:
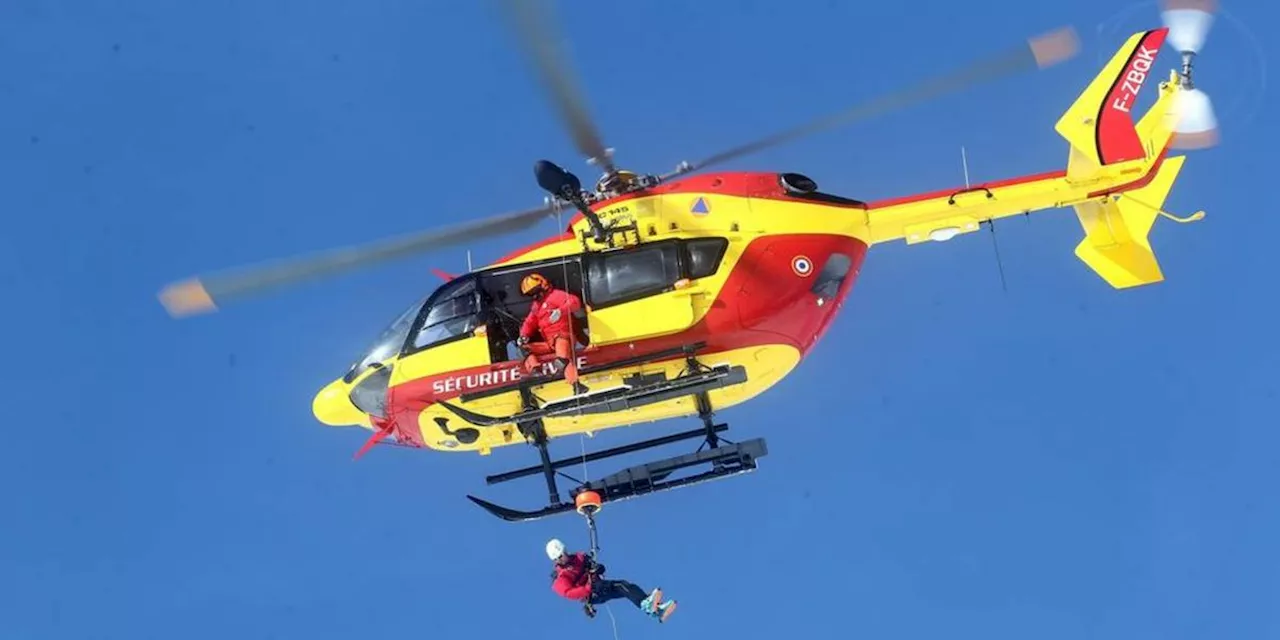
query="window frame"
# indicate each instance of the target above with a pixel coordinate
(684, 265)
(826, 284)
(409, 348)
(554, 269)
(384, 339)
(588, 261)
(715, 265)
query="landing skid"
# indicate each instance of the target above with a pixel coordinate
(724, 458)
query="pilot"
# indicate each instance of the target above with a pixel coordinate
(551, 315)
(578, 577)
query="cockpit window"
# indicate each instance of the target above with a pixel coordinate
(388, 343)
(454, 312)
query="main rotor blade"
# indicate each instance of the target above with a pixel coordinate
(1036, 53)
(539, 37)
(202, 295)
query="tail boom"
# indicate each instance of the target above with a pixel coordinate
(1117, 177)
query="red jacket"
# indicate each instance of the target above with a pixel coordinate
(540, 315)
(572, 579)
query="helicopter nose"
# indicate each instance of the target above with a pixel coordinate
(332, 406)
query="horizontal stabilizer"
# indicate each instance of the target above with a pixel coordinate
(1116, 228)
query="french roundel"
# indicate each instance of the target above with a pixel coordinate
(802, 265)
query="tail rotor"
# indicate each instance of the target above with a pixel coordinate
(1189, 22)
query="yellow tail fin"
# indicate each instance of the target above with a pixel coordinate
(1126, 160)
(1117, 177)
(1099, 125)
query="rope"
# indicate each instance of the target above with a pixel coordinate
(612, 621)
(582, 440)
(573, 336)
(591, 522)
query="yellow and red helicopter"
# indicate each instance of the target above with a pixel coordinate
(701, 291)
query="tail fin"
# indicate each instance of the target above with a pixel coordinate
(1127, 162)
(1099, 125)
(1118, 176)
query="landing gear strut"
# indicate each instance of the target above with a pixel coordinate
(724, 457)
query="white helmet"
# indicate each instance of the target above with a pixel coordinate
(555, 549)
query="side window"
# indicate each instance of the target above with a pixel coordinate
(452, 313)
(619, 277)
(705, 255)
(832, 275)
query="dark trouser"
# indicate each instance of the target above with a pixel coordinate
(605, 590)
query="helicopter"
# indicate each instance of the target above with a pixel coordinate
(702, 290)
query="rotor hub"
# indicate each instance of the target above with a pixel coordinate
(1184, 76)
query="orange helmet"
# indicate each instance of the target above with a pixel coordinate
(533, 284)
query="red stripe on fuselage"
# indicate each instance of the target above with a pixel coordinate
(1048, 175)
(742, 184)
(1140, 182)
(946, 193)
(537, 245)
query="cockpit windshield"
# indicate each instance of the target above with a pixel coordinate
(387, 344)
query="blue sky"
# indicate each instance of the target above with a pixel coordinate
(1059, 461)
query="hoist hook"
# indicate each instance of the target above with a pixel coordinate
(588, 503)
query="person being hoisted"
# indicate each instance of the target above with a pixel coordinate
(551, 316)
(578, 577)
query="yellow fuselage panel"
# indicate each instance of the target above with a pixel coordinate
(765, 366)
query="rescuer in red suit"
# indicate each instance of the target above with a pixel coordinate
(578, 577)
(551, 316)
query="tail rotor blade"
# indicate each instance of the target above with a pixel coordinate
(203, 295)
(1036, 53)
(1189, 22)
(1197, 126)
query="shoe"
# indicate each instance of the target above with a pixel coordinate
(531, 364)
(650, 605)
(665, 610)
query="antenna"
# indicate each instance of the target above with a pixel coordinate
(469, 261)
(964, 161)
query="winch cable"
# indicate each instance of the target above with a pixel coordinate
(591, 529)
(573, 335)
(594, 550)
